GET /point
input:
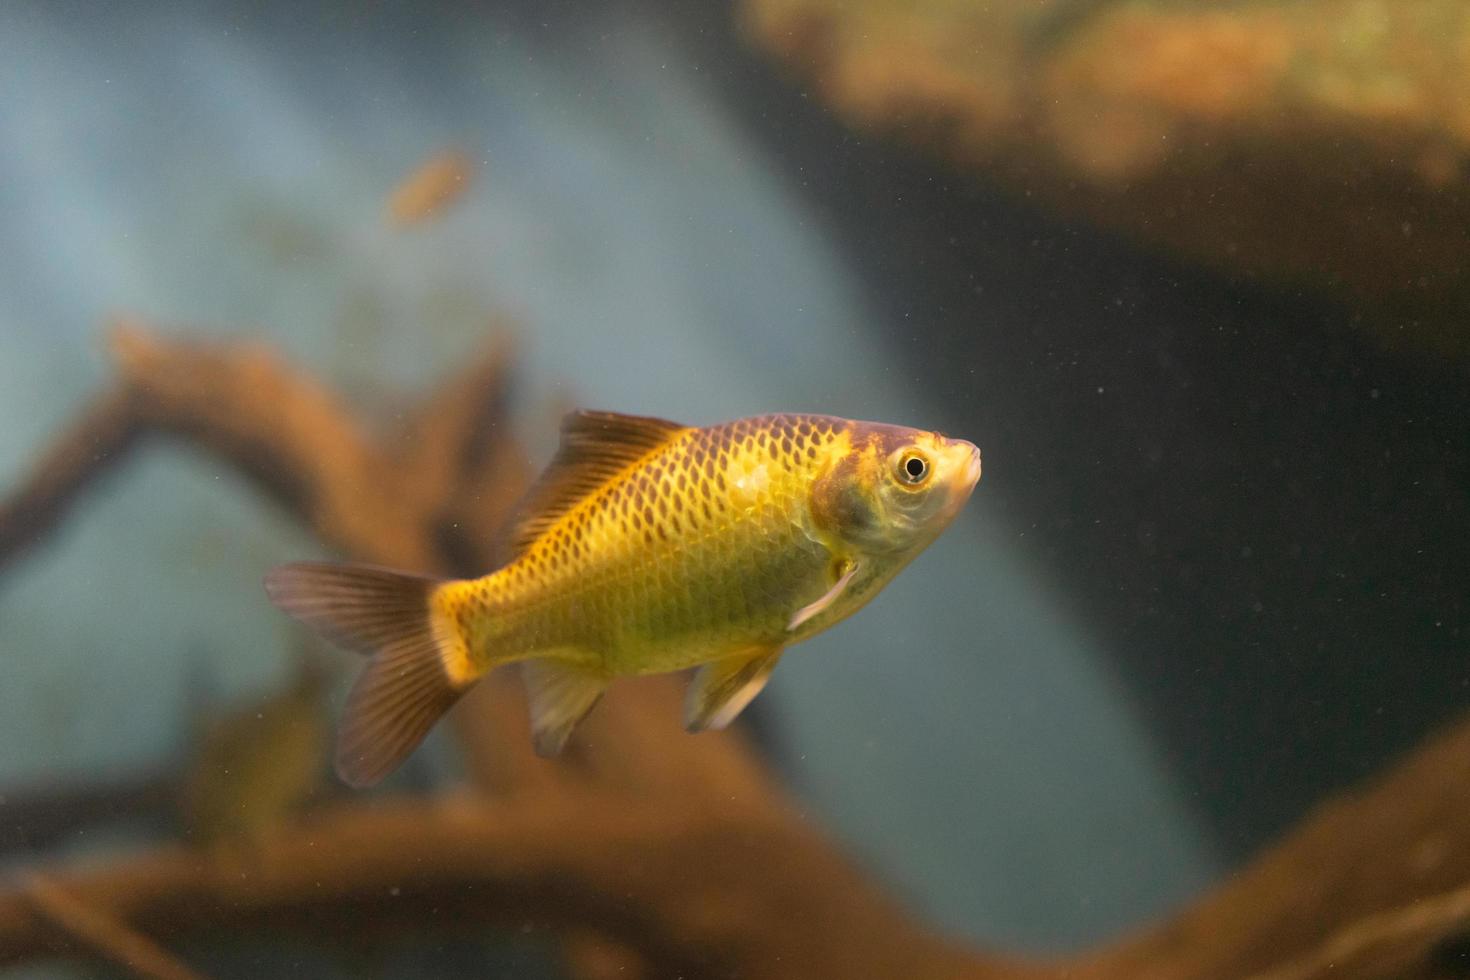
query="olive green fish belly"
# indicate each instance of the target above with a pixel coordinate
(682, 615)
(669, 607)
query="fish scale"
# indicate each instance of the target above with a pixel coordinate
(646, 547)
(669, 561)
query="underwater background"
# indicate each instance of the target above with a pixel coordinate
(1216, 569)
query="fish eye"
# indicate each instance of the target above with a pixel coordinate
(913, 469)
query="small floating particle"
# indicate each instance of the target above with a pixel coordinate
(430, 189)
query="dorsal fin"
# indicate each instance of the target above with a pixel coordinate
(595, 446)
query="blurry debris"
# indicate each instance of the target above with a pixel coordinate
(37, 817)
(429, 190)
(1192, 125)
(284, 235)
(260, 764)
(99, 932)
(593, 956)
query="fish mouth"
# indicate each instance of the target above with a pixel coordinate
(972, 468)
(966, 470)
(967, 464)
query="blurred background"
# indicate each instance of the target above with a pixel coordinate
(1193, 276)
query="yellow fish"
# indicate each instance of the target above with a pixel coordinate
(646, 547)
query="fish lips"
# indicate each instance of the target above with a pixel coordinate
(972, 466)
(965, 465)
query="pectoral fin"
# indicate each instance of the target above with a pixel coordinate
(808, 611)
(721, 689)
(560, 696)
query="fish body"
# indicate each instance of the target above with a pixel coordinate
(646, 547)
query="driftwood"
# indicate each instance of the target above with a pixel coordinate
(103, 934)
(656, 853)
(35, 817)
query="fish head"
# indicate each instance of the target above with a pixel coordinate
(895, 489)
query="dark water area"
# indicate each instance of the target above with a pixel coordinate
(1259, 506)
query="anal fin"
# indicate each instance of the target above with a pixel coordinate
(560, 696)
(722, 688)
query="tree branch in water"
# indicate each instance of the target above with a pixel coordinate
(680, 851)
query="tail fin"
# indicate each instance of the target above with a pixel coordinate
(418, 669)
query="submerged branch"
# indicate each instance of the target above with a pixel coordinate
(682, 848)
(34, 817)
(77, 459)
(286, 434)
(1368, 853)
(110, 938)
(746, 892)
(1424, 939)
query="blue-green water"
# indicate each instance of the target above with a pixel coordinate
(974, 736)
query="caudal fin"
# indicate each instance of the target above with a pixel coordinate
(418, 668)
